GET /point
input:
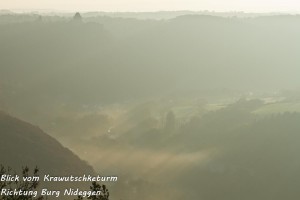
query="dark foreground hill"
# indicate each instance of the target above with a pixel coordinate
(24, 144)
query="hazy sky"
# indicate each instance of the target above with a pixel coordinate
(154, 5)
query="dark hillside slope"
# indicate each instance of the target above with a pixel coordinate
(24, 144)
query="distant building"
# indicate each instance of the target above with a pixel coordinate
(77, 17)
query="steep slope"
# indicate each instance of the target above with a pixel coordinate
(24, 144)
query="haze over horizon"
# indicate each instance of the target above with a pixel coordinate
(176, 104)
(154, 5)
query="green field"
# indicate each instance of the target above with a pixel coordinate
(278, 108)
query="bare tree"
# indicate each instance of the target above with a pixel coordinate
(28, 185)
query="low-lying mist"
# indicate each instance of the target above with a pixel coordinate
(192, 107)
